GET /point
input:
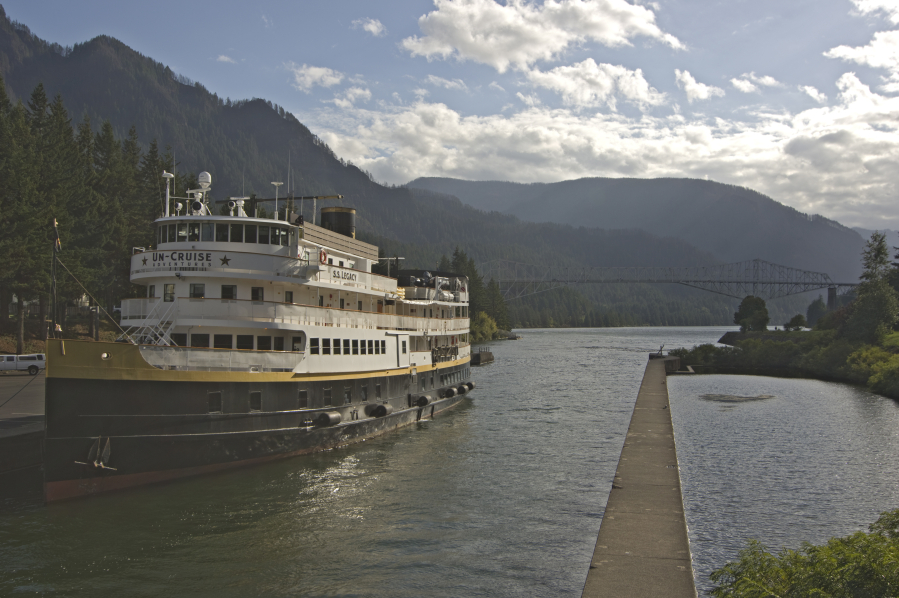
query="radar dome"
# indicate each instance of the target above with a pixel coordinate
(205, 179)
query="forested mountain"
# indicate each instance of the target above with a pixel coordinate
(142, 112)
(732, 223)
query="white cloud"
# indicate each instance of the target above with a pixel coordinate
(267, 22)
(889, 7)
(744, 85)
(764, 80)
(373, 26)
(529, 100)
(519, 33)
(228, 59)
(306, 77)
(350, 96)
(839, 159)
(881, 52)
(446, 83)
(813, 93)
(588, 84)
(750, 82)
(694, 89)
(496, 86)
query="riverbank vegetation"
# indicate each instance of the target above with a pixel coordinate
(856, 343)
(861, 564)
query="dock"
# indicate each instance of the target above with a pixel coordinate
(642, 549)
(21, 421)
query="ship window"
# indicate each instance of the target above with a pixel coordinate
(458, 312)
(341, 303)
(347, 394)
(264, 343)
(256, 400)
(404, 347)
(370, 349)
(360, 306)
(423, 382)
(249, 233)
(180, 339)
(326, 346)
(221, 232)
(151, 291)
(377, 348)
(362, 347)
(364, 389)
(168, 293)
(288, 296)
(199, 340)
(297, 343)
(336, 346)
(197, 290)
(245, 341)
(182, 233)
(215, 401)
(377, 391)
(432, 379)
(355, 347)
(383, 347)
(263, 234)
(193, 231)
(346, 346)
(229, 291)
(279, 343)
(330, 261)
(326, 397)
(257, 293)
(283, 235)
(340, 263)
(159, 230)
(237, 233)
(313, 346)
(173, 228)
(321, 301)
(222, 341)
(207, 232)
(303, 399)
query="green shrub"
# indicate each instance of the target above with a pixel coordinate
(856, 566)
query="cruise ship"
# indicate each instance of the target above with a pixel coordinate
(258, 338)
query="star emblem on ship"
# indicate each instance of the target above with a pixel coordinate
(226, 261)
(145, 261)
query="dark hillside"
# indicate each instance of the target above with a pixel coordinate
(732, 223)
(245, 144)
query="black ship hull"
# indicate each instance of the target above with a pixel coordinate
(108, 433)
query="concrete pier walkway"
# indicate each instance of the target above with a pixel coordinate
(642, 549)
(21, 421)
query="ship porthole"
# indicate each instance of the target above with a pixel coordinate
(105, 356)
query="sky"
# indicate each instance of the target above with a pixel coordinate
(798, 100)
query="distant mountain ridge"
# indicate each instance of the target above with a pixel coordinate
(733, 223)
(245, 145)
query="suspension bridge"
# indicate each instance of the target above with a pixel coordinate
(753, 277)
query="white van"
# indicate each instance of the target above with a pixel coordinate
(31, 363)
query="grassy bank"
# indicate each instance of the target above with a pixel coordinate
(77, 329)
(820, 354)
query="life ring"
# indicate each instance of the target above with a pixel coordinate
(323, 256)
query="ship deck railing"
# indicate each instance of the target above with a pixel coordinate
(134, 311)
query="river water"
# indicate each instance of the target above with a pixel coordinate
(502, 496)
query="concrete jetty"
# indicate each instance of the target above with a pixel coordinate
(642, 549)
(21, 421)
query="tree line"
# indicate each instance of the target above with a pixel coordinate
(103, 191)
